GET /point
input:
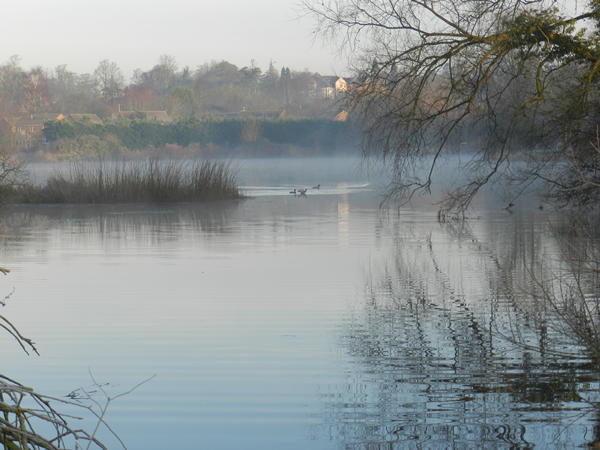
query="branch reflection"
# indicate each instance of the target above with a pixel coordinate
(446, 347)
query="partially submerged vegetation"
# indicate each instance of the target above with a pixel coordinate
(29, 420)
(151, 180)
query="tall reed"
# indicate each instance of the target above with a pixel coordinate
(152, 180)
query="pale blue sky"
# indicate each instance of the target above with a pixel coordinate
(134, 33)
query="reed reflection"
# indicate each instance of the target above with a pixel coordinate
(133, 221)
(430, 355)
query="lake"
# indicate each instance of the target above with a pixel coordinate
(299, 322)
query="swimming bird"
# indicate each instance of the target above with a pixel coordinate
(318, 186)
(302, 191)
(293, 192)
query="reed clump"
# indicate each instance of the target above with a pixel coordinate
(152, 180)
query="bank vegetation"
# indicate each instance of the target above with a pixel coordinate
(213, 136)
(152, 180)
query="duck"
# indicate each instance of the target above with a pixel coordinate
(302, 191)
(293, 192)
(318, 186)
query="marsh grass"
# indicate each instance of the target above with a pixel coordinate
(153, 180)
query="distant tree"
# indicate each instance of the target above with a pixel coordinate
(35, 95)
(181, 102)
(70, 92)
(218, 86)
(251, 78)
(138, 77)
(219, 73)
(140, 98)
(269, 85)
(285, 84)
(186, 77)
(302, 88)
(110, 80)
(63, 83)
(87, 84)
(164, 73)
(11, 84)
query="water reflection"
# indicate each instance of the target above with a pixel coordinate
(427, 362)
(343, 209)
(133, 221)
(300, 323)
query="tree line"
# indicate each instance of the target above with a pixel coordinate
(211, 88)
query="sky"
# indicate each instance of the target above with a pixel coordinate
(135, 33)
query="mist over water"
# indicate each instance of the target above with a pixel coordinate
(299, 322)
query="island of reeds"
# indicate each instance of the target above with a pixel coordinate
(152, 180)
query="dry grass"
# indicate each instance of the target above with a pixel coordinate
(152, 180)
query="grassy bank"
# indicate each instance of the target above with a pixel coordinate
(152, 180)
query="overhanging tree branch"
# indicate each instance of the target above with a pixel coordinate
(510, 78)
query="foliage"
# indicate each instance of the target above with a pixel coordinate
(140, 134)
(181, 102)
(86, 147)
(498, 81)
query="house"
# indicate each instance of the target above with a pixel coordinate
(27, 130)
(33, 124)
(326, 86)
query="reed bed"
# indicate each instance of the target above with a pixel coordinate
(152, 180)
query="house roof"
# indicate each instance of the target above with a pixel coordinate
(341, 117)
(267, 114)
(12, 121)
(78, 117)
(37, 119)
(160, 116)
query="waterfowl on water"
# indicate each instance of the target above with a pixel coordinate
(318, 186)
(302, 191)
(293, 192)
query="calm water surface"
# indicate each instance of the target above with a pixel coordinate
(317, 322)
